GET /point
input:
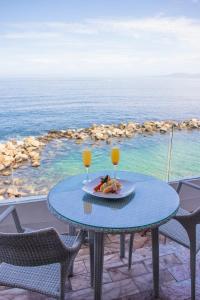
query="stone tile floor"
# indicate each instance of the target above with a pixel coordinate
(122, 284)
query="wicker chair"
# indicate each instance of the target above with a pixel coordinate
(184, 229)
(39, 261)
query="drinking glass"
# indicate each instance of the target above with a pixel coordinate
(115, 156)
(87, 158)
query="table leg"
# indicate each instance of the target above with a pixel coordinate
(155, 258)
(98, 263)
(122, 245)
(72, 230)
(91, 246)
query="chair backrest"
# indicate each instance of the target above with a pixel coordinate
(32, 249)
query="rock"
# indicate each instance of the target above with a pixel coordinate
(35, 163)
(16, 165)
(2, 191)
(31, 142)
(131, 127)
(148, 128)
(98, 135)
(2, 167)
(7, 182)
(118, 132)
(2, 147)
(10, 146)
(194, 123)
(165, 128)
(7, 160)
(21, 157)
(34, 155)
(128, 134)
(122, 125)
(6, 172)
(13, 192)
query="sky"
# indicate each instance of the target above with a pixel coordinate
(99, 38)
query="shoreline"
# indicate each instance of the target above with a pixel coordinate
(27, 152)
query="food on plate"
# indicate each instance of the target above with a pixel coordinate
(108, 185)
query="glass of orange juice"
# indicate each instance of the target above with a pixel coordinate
(87, 159)
(115, 156)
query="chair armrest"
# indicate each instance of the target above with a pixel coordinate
(78, 242)
(7, 212)
(186, 182)
(189, 219)
(192, 185)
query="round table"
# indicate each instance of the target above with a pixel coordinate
(153, 203)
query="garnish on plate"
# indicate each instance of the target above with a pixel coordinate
(108, 185)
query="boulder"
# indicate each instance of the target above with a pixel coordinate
(21, 157)
(35, 163)
(194, 123)
(2, 167)
(13, 192)
(31, 142)
(128, 134)
(131, 127)
(34, 155)
(2, 191)
(164, 129)
(10, 146)
(148, 128)
(7, 182)
(7, 160)
(6, 172)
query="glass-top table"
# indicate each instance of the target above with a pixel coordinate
(153, 203)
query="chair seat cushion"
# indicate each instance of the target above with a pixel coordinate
(42, 279)
(175, 231)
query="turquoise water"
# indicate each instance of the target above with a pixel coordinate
(146, 154)
(32, 107)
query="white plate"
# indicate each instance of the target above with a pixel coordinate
(126, 189)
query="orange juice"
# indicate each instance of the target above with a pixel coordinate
(115, 155)
(87, 157)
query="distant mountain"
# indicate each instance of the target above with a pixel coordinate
(183, 75)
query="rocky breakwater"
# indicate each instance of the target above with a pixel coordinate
(13, 154)
(106, 133)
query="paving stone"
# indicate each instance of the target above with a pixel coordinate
(177, 290)
(170, 260)
(145, 282)
(79, 282)
(123, 272)
(180, 272)
(119, 289)
(79, 267)
(85, 294)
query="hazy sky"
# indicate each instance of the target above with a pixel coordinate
(76, 38)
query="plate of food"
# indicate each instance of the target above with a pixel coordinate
(107, 187)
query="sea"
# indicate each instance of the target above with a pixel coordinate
(33, 106)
